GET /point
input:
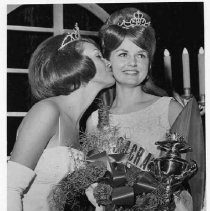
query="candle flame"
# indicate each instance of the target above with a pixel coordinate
(201, 50)
(166, 52)
(185, 51)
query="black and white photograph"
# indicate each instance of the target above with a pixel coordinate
(104, 106)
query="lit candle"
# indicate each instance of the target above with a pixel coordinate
(167, 65)
(186, 69)
(201, 69)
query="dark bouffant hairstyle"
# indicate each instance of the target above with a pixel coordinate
(112, 35)
(54, 71)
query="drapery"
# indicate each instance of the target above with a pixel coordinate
(189, 125)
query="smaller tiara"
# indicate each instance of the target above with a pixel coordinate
(70, 37)
(137, 20)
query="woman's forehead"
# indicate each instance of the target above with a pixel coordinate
(128, 45)
(89, 47)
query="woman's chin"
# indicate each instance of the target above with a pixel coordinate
(130, 83)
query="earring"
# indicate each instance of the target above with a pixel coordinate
(108, 64)
(147, 77)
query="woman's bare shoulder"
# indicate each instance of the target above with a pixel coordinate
(44, 112)
(45, 108)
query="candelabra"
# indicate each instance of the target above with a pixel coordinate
(201, 103)
(187, 95)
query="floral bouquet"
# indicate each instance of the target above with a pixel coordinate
(119, 187)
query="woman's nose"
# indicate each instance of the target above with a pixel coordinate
(132, 61)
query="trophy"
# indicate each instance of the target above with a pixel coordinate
(171, 169)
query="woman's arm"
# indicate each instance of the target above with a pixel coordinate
(34, 134)
(184, 202)
(37, 128)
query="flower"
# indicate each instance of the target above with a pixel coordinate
(102, 194)
(103, 140)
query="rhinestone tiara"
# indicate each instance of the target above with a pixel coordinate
(70, 37)
(137, 20)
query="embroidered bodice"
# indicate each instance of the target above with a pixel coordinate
(143, 127)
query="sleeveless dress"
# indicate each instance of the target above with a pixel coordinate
(52, 166)
(143, 127)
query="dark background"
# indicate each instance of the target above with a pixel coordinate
(178, 25)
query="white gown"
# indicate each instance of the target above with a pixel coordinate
(53, 165)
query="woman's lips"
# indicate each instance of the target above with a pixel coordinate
(131, 72)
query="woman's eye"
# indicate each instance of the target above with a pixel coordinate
(142, 55)
(123, 54)
(99, 56)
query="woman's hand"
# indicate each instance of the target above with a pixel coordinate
(91, 198)
(183, 202)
